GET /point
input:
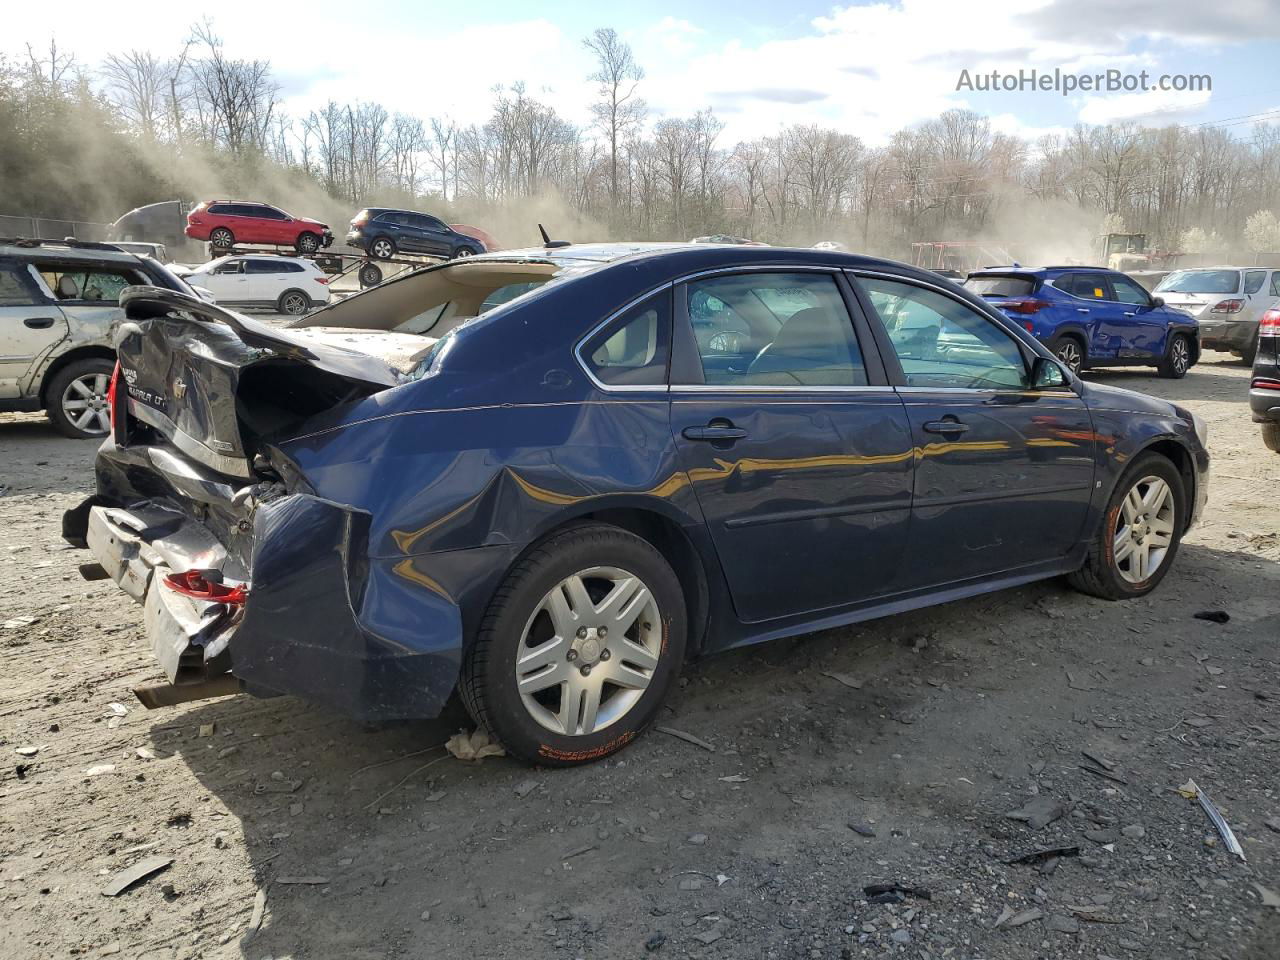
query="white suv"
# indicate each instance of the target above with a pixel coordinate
(289, 285)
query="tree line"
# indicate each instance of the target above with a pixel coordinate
(92, 141)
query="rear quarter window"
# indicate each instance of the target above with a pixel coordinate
(1001, 286)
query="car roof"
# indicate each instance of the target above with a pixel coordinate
(51, 248)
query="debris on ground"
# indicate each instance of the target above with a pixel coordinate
(306, 881)
(1213, 616)
(1269, 897)
(525, 787)
(850, 681)
(686, 737)
(1038, 812)
(141, 870)
(259, 908)
(862, 829)
(475, 745)
(1011, 918)
(894, 892)
(1048, 853)
(1192, 792)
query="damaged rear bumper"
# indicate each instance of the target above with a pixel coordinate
(375, 638)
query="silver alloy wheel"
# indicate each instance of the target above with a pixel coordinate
(1069, 353)
(382, 249)
(464, 252)
(295, 304)
(84, 403)
(1180, 355)
(308, 243)
(221, 237)
(589, 651)
(1144, 529)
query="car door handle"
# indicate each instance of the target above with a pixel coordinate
(1129, 313)
(945, 426)
(38, 323)
(714, 432)
(1082, 309)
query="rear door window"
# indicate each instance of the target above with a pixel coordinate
(1253, 281)
(16, 290)
(266, 266)
(1275, 284)
(1001, 286)
(1086, 286)
(774, 329)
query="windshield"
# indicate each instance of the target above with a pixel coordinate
(1200, 281)
(1000, 286)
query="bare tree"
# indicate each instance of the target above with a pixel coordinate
(137, 82)
(618, 110)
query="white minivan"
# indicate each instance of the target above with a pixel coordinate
(289, 285)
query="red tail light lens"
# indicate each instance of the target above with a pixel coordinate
(1261, 384)
(112, 391)
(1269, 323)
(320, 279)
(193, 584)
(1028, 305)
(1228, 306)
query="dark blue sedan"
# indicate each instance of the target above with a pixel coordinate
(545, 478)
(1090, 317)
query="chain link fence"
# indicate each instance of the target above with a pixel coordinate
(41, 228)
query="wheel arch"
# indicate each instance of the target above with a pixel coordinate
(1074, 332)
(660, 531)
(1183, 461)
(90, 352)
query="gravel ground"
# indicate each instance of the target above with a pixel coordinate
(889, 753)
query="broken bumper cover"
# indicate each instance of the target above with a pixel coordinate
(374, 638)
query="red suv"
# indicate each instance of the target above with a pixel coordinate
(225, 223)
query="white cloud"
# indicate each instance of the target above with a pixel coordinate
(1154, 107)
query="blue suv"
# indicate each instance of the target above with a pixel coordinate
(1092, 317)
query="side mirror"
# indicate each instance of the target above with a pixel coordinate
(1048, 374)
(1157, 301)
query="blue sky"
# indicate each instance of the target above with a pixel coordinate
(866, 68)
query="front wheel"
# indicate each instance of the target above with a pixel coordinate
(1140, 532)
(307, 243)
(1177, 359)
(464, 252)
(578, 648)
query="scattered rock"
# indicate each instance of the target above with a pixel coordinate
(1059, 923)
(655, 942)
(862, 829)
(901, 935)
(525, 787)
(697, 839)
(708, 936)
(1009, 918)
(1135, 831)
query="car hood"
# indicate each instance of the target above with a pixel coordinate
(1100, 397)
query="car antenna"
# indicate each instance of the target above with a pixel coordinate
(548, 242)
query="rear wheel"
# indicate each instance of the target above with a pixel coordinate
(1271, 436)
(293, 302)
(384, 248)
(1070, 352)
(1177, 359)
(77, 398)
(1250, 353)
(220, 238)
(1139, 534)
(307, 243)
(578, 648)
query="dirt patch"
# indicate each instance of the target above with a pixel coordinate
(294, 833)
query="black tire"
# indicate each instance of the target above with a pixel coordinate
(1069, 349)
(1271, 436)
(1177, 358)
(1100, 576)
(220, 238)
(92, 369)
(1250, 353)
(488, 681)
(382, 248)
(294, 303)
(464, 251)
(307, 243)
(370, 275)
